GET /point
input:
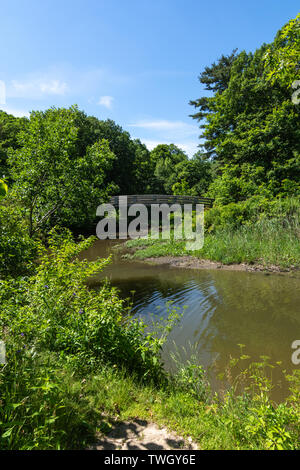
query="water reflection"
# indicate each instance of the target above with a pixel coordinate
(223, 308)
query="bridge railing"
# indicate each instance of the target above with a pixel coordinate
(148, 199)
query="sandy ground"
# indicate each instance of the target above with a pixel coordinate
(196, 263)
(141, 435)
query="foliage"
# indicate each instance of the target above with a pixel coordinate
(10, 126)
(250, 124)
(3, 189)
(131, 165)
(17, 249)
(51, 180)
(216, 78)
(253, 210)
(165, 159)
(259, 417)
(57, 311)
(193, 176)
(53, 323)
(282, 57)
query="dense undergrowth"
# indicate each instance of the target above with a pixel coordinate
(76, 362)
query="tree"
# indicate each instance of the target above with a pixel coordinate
(122, 171)
(10, 126)
(282, 57)
(51, 179)
(143, 170)
(3, 189)
(251, 119)
(193, 176)
(164, 159)
(216, 79)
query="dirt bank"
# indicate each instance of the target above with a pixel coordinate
(196, 263)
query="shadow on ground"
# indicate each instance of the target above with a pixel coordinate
(140, 435)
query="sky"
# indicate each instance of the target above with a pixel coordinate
(134, 61)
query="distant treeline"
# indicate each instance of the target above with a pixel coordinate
(60, 164)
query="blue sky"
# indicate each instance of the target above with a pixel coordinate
(135, 62)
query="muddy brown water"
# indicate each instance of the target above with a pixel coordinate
(220, 309)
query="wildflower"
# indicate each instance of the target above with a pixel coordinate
(46, 287)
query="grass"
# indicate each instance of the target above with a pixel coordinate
(185, 404)
(54, 407)
(76, 365)
(268, 242)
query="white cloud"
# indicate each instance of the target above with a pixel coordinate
(15, 112)
(106, 101)
(171, 127)
(54, 87)
(162, 131)
(36, 88)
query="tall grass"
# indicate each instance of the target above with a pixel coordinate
(267, 241)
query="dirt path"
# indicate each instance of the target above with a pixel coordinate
(141, 435)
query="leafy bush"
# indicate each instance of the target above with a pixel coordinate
(253, 416)
(17, 249)
(53, 322)
(55, 310)
(3, 188)
(236, 183)
(251, 211)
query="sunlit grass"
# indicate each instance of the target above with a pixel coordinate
(266, 242)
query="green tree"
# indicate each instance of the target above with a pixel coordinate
(165, 159)
(51, 179)
(3, 189)
(10, 126)
(143, 170)
(122, 172)
(251, 119)
(193, 176)
(216, 79)
(283, 55)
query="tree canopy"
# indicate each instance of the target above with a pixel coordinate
(250, 118)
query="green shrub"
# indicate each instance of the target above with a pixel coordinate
(252, 415)
(17, 249)
(251, 211)
(53, 322)
(55, 310)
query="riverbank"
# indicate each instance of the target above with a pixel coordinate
(266, 246)
(76, 369)
(191, 262)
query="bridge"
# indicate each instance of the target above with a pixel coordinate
(149, 199)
